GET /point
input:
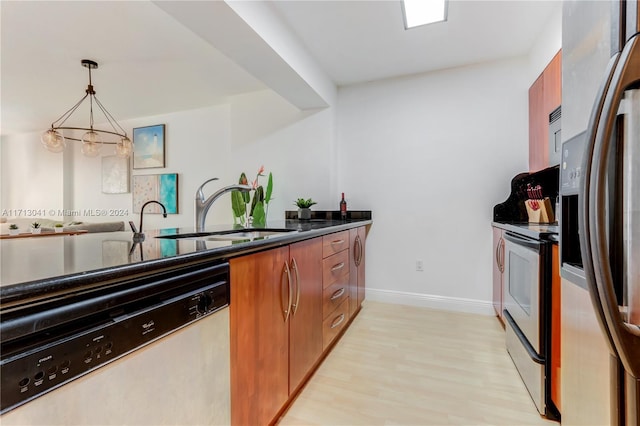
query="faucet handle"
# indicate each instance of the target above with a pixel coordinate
(133, 227)
(199, 193)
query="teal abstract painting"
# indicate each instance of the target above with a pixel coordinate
(162, 188)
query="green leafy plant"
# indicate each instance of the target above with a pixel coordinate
(304, 204)
(13, 226)
(58, 225)
(245, 207)
(35, 225)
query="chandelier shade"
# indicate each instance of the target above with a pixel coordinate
(92, 139)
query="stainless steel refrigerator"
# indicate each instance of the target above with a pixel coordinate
(601, 126)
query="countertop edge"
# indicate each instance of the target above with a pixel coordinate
(33, 291)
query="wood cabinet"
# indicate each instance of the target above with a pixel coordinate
(305, 329)
(545, 95)
(288, 305)
(498, 271)
(357, 238)
(336, 282)
(259, 331)
(276, 327)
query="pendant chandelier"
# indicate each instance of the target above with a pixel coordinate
(93, 139)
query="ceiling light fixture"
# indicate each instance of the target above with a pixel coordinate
(422, 12)
(93, 139)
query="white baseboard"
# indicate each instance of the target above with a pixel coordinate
(456, 304)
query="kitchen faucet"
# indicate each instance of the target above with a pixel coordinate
(138, 235)
(202, 205)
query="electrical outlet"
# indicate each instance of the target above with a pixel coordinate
(419, 265)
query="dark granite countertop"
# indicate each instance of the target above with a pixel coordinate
(36, 268)
(540, 231)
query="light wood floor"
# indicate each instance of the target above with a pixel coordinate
(401, 365)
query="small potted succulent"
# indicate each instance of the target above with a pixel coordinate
(35, 228)
(58, 227)
(304, 208)
(13, 229)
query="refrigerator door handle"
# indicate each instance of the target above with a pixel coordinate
(626, 72)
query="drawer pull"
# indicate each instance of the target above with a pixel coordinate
(338, 266)
(337, 294)
(338, 321)
(337, 242)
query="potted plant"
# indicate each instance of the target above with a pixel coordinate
(35, 228)
(13, 229)
(304, 208)
(58, 227)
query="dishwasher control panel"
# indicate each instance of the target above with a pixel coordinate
(68, 355)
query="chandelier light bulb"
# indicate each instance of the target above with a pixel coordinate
(124, 148)
(53, 141)
(91, 144)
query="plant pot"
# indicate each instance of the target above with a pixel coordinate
(36, 230)
(58, 230)
(304, 214)
(14, 231)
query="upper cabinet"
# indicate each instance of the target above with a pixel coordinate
(545, 95)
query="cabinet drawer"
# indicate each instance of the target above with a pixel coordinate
(335, 268)
(334, 243)
(333, 296)
(334, 323)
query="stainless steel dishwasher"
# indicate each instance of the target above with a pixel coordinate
(146, 351)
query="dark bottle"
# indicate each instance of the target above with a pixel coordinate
(343, 208)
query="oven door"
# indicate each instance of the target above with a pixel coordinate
(522, 285)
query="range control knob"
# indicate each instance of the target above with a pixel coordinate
(204, 303)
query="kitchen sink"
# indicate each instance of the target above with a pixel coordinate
(231, 235)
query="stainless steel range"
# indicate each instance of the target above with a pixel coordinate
(527, 279)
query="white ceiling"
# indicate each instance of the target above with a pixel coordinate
(358, 41)
(151, 64)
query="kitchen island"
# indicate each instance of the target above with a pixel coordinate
(324, 259)
(33, 269)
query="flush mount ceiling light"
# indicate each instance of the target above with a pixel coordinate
(93, 139)
(422, 12)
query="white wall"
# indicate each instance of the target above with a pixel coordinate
(431, 155)
(548, 42)
(32, 177)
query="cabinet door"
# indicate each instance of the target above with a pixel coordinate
(360, 243)
(545, 95)
(353, 272)
(552, 85)
(498, 269)
(356, 268)
(538, 131)
(259, 336)
(305, 329)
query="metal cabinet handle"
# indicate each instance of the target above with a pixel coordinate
(294, 266)
(337, 241)
(357, 251)
(501, 254)
(337, 294)
(337, 321)
(287, 310)
(338, 266)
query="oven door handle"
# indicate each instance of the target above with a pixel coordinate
(523, 241)
(535, 357)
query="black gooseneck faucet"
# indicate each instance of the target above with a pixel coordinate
(138, 235)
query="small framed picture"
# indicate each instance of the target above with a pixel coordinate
(148, 147)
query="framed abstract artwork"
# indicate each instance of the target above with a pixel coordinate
(162, 188)
(115, 174)
(148, 147)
